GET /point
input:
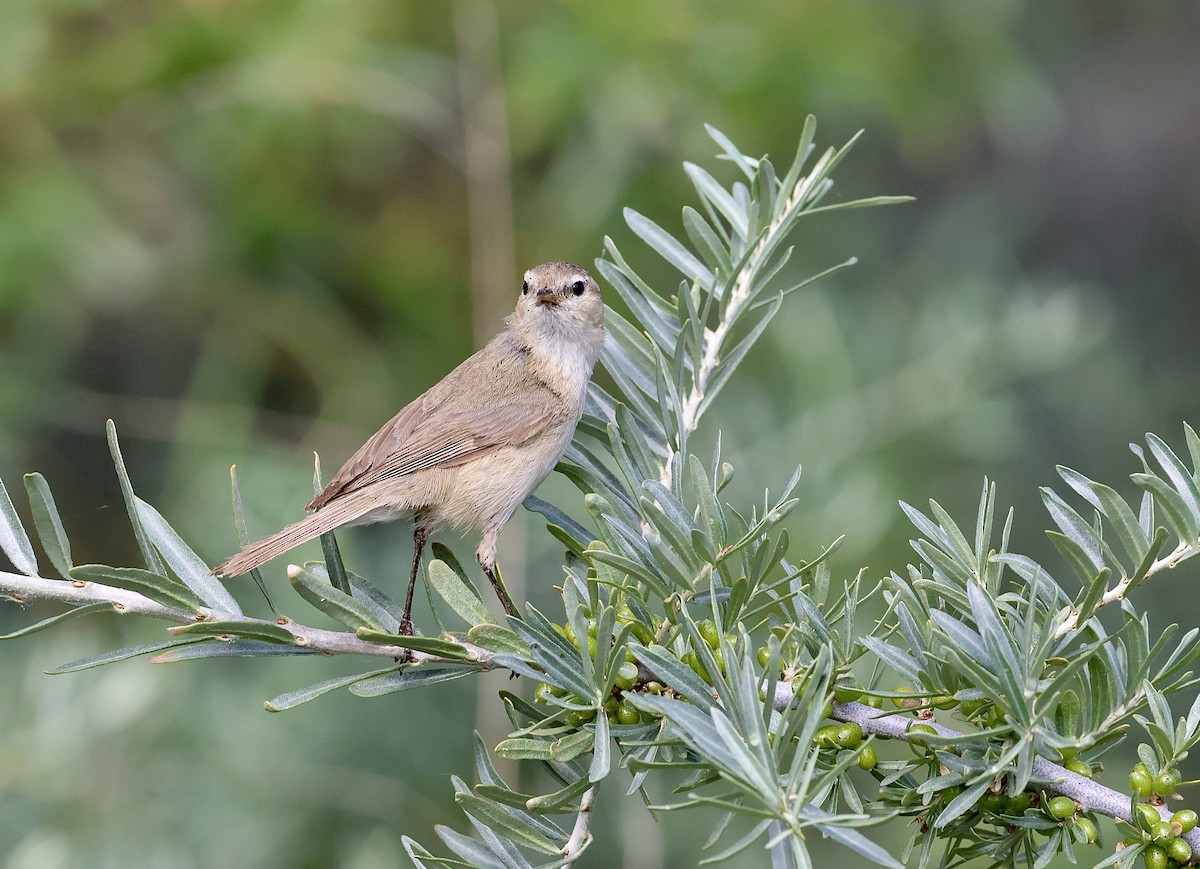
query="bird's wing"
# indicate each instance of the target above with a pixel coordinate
(477, 408)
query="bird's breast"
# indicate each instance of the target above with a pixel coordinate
(489, 489)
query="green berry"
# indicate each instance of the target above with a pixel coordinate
(1186, 819)
(916, 733)
(1146, 816)
(1156, 857)
(578, 719)
(827, 736)
(944, 702)
(626, 714)
(764, 655)
(592, 627)
(1179, 850)
(873, 702)
(1079, 767)
(867, 758)
(1087, 830)
(849, 735)
(902, 702)
(1061, 808)
(1162, 833)
(846, 694)
(654, 687)
(626, 676)
(1140, 783)
(1166, 782)
(709, 633)
(1019, 803)
(993, 804)
(689, 658)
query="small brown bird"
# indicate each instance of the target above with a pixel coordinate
(469, 451)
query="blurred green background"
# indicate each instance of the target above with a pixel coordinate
(248, 229)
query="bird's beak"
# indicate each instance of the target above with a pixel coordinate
(549, 297)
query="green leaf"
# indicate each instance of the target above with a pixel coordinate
(1093, 592)
(243, 538)
(560, 801)
(329, 547)
(495, 638)
(221, 648)
(386, 610)
(390, 683)
(719, 198)
(461, 597)
(429, 645)
(668, 247)
(149, 556)
(573, 744)
(1181, 478)
(315, 589)
(49, 526)
(159, 589)
(707, 242)
(292, 699)
(1183, 523)
(184, 562)
(73, 613)
(579, 535)
(13, 539)
(251, 629)
(501, 821)
(524, 748)
(121, 655)
(1075, 529)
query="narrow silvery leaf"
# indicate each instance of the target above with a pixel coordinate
(1181, 478)
(1073, 526)
(73, 613)
(390, 683)
(713, 193)
(292, 699)
(705, 240)
(186, 564)
(120, 655)
(317, 590)
(669, 248)
(160, 589)
(454, 591)
(48, 524)
(654, 319)
(243, 538)
(1184, 525)
(149, 555)
(251, 629)
(642, 287)
(748, 165)
(429, 645)
(13, 539)
(512, 828)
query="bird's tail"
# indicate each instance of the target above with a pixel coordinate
(333, 515)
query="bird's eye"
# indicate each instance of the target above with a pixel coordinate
(525, 288)
(578, 287)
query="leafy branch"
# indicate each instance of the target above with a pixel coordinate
(691, 641)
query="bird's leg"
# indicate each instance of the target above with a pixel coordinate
(486, 556)
(420, 535)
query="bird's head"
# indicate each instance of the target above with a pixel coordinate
(560, 304)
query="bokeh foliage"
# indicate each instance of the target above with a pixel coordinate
(240, 229)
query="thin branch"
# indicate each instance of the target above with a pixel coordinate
(1181, 552)
(25, 588)
(581, 834)
(1090, 794)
